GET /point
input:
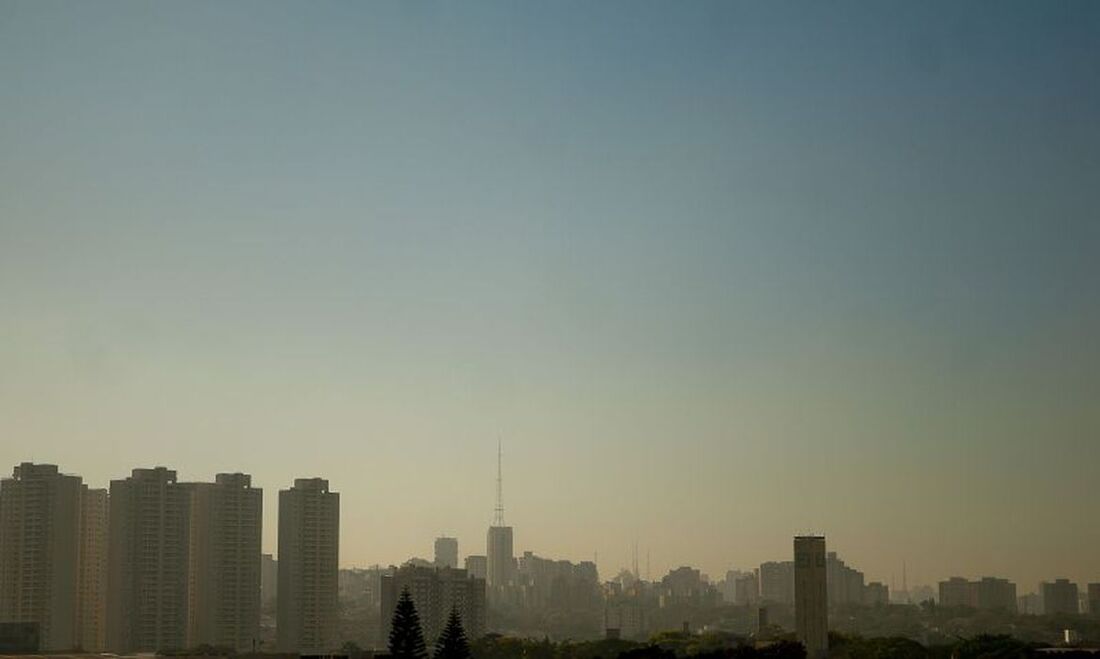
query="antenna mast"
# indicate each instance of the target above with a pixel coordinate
(498, 518)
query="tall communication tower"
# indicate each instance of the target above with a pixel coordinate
(498, 517)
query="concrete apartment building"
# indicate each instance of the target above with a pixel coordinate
(148, 562)
(435, 591)
(811, 600)
(1059, 596)
(225, 567)
(269, 580)
(777, 582)
(446, 552)
(309, 540)
(40, 526)
(92, 571)
(477, 566)
(987, 593)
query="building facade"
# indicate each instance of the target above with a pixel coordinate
(446, 552)
(777, 582)
(435, 592)
(92, 612)
(811, 595)
(40, 524)
(148, 562)
(987, 593)
(1059, 596)
(500, 557)
(309, 540)
(477, 566)
(225, 581)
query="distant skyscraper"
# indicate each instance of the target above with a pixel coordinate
(498, 542)
(148, 562)
(1059, 596)
(309, 541)
(1094, 599)
(40, 515)
(94, 516)
(446, 552)
(811, 595)
(226, 518)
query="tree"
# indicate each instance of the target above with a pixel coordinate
(452, 642)
(406, 637)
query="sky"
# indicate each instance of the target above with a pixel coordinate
(712, 273)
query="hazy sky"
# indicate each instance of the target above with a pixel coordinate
(715, 273)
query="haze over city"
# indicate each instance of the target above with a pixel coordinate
(713, 274)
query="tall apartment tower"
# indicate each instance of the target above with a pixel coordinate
(224, 587)
(309, 539)
(92, 580)
(148, 562)
(810, 596)
(446, 552)
(40, 518)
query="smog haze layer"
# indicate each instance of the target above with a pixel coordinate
(713, 273)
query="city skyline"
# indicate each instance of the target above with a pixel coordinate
(715, 274)
(894, 581)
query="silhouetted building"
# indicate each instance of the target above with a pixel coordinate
(557, 584)
(500, 559)
(40, 523)
(446, 552)
(148, 562)
(1029, 604)
(777, 582)
(1059, 596)
(746, 589)
(988, 593)
(477, 567)
(92, 614)
(1094, 599)
(226, 520)
(627, 616)
(435, 591)
(309, 544)
(685, 585)
(269, 579)
(845, 583)
(811, 599)
(876, 594)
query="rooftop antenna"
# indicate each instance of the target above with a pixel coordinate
(498, 517)
(637, 575)
(648, 576)
(904, 581)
